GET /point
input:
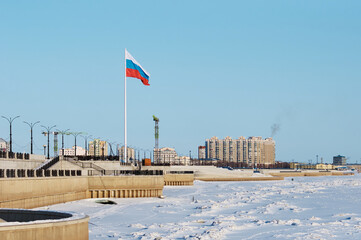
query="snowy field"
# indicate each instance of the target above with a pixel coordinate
(305, 208)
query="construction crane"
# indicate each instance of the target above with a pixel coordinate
(156, 135)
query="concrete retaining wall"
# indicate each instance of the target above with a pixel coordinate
(20, 164)
(125, 186)
(215, 179)
(308, 173)
(27, 226)
(178, 179)
(36, 192)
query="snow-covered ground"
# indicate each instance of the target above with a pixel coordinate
(305, 208)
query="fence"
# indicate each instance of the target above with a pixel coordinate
(126, 172)
(23, 173)
(13, 155)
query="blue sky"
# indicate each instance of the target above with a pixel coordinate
(218, 68)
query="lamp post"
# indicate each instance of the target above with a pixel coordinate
(150, 153)
(75, 134)
(143, 152)
(64, 132)
(31, 125)
(10, 120)
(86, 143)
(48, 133)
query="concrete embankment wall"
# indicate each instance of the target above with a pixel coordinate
(178, 179)
(307, 173)
(36, 192)
(20, 163)
(125, 187)
(215, 179)
(45, 225)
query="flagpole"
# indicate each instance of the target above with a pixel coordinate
(125, 107)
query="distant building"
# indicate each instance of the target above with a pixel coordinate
(319, 166)
(181, 160)
(165, 155)
(101, 148)
(253, 150)
(339, 160)
(130, 153)
(169, 156)
(71, 151)
(4, 146)
(201, 152)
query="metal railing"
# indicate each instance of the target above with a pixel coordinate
(24, 173)
(14, 155)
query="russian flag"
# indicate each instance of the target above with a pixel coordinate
(134, 70)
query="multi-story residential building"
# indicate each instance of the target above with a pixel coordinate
(4, 146)
(130, 153)
(201, 152)
(165, 155)
(339, 160)
(101, 148)
(71, 151)
(181, 160)
(253, 150)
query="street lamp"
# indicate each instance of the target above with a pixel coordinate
(10, 120)
(150, 153)
(31, 125)
(143, 152)
(86, 143)
(64, 132)
(75, 135)
(48, 133)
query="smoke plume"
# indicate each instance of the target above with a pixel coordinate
(275, 128)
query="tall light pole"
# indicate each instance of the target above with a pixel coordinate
(48, 133)
(10, 120)
(150, 153)
(86, 143)
(63, 132)
(75, 135)
(31, 125)
(143, 152)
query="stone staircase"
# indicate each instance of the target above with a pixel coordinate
(87, 166)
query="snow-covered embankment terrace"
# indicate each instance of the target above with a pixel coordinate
(296, 208)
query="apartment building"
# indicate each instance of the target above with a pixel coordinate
(130, 153)
(201, 152)
(242, 150)
(71, 151)
(101, 148)
(165, 155)
(4, 146)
